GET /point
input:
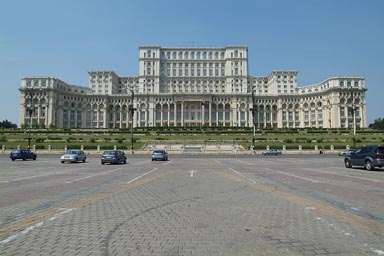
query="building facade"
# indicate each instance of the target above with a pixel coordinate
(193, 87)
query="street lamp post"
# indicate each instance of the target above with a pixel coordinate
(30, 112)
(253, 124)
(253, 109)
(132, 110)
(353, 111)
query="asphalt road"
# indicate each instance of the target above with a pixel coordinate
(191, 205)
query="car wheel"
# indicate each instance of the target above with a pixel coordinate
(125, 161)
(368, 165)
(24, 158)
(84, 160)
(62, 162)
(348, 164)
(13, 159)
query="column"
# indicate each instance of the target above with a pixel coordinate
(169, 114)
(182, 113)
(202, 113)
(97, 117)
(161, 114)
(175, 113)
(210, 114)
(121, 116)
(301, 113)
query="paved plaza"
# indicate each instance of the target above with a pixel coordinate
(191, 205)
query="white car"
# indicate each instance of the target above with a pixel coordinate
(274, 152)
(346, 152)
(73, 156)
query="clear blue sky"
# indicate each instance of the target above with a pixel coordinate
(64, 39)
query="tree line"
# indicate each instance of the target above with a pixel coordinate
(378, 124)
(7, 124)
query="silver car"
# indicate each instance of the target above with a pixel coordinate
(159, 154)
(73, 156)
(274, 152)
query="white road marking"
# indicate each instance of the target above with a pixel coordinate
(218, 162)
(192, 172)
(138, 177)
(242, 175)
(243, 162)
(29, 229)
(142, 162)
(299, 177)
(379, 252)
(35, 176)
(90, 176)
(345, 175)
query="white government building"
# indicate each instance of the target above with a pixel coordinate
(193, 87)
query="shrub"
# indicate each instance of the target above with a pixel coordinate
(40, 140)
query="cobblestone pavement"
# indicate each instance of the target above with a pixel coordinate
(191, 206)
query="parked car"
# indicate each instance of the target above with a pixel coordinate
(159, 154)
(271, 152)
(113, 157)
(368, 156)
(22, 154)
(73, 156)
(345, 152)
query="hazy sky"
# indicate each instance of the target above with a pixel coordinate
(65, 39)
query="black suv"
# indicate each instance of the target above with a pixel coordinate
(368, 156)
(22, 154)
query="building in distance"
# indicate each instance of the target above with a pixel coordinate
(193, 87)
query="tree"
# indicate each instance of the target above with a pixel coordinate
(378, 124)
(7, 124)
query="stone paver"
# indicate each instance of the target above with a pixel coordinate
(207, 214)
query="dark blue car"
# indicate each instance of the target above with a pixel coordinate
(22, 154)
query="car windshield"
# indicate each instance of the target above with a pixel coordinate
(158, 152)
(72, 152)
(380, 150)
(109, 153)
